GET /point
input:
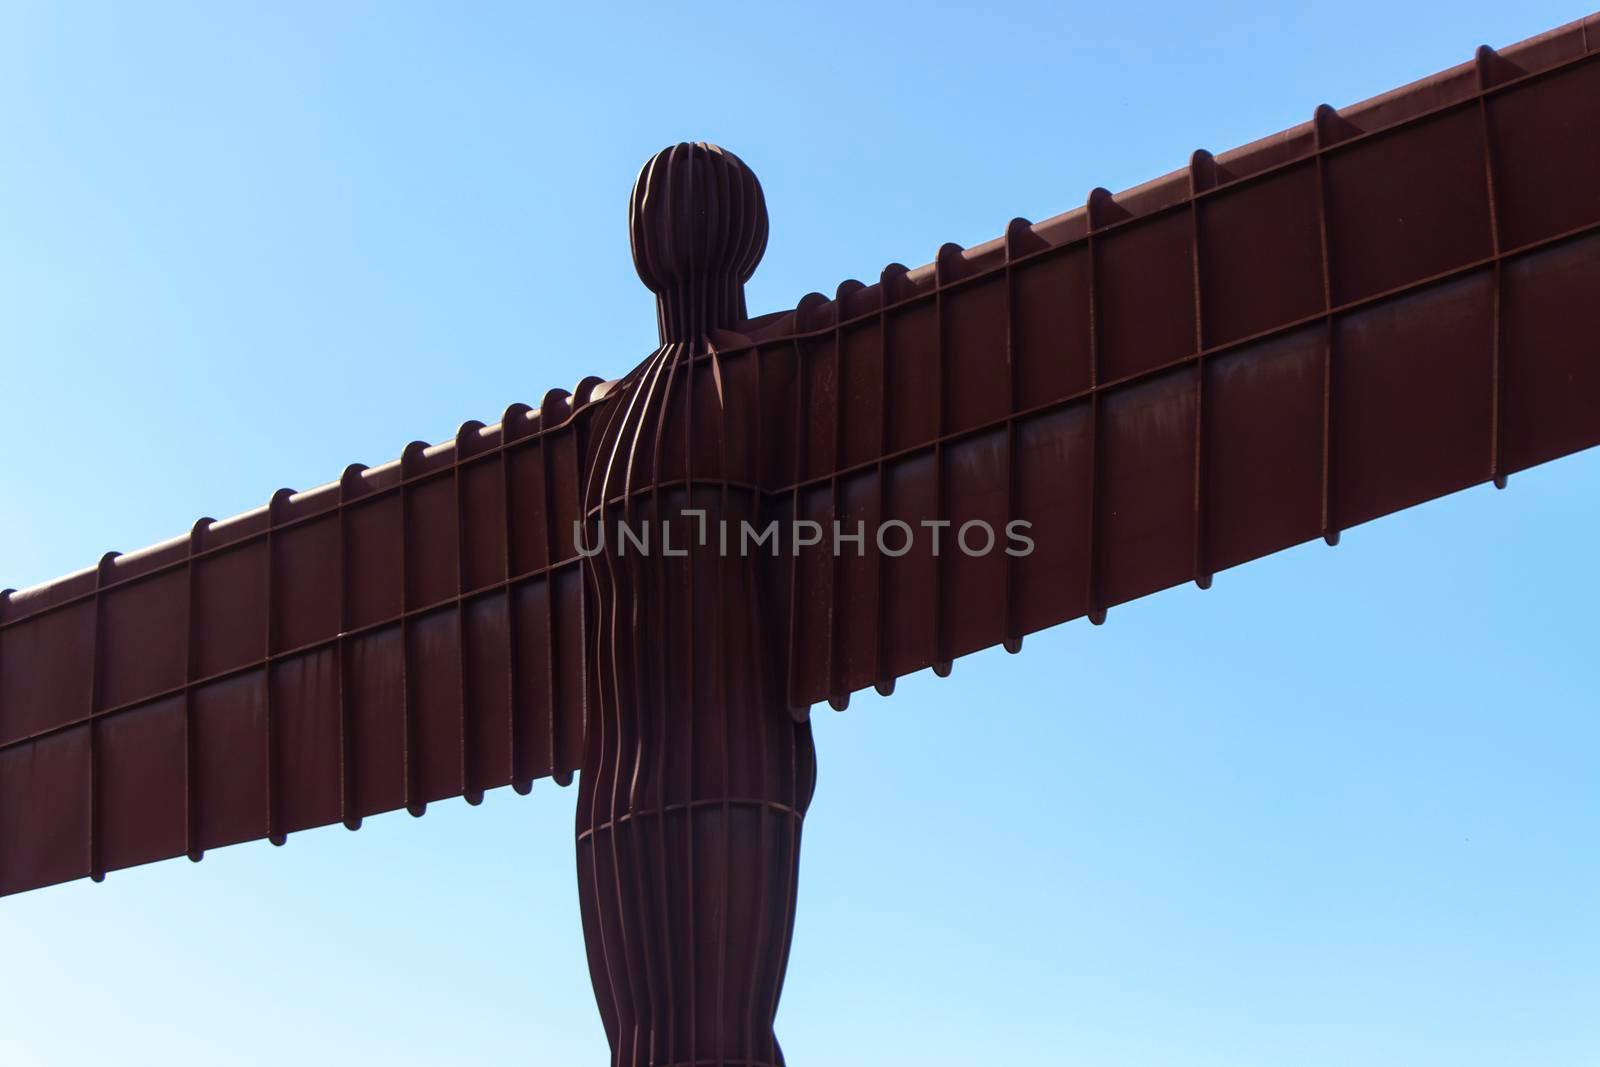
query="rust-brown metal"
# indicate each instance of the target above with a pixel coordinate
(304, 663)
(1383, 305)
(1379, 307)
(695, 776)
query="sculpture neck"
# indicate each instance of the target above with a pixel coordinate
(694, 307)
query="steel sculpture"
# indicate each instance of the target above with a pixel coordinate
(1389, 303)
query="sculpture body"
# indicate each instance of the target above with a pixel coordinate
(695, 777)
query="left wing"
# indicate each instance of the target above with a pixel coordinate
(1387, 304)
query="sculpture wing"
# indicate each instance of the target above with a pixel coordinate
(410, 633)
(1380, 307)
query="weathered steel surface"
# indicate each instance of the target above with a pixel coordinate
(695, 777)
(1387, 304)
(409, 633)
(1383, 305)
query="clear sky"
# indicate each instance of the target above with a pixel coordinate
(1343, 808)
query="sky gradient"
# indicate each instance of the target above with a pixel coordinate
(1342, 808)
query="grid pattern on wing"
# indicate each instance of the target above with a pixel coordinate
(406, 634)
(1378, 308)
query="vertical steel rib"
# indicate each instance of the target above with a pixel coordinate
(1497, 469)
(275, 830)
(96, 845)
(349, 812)
(408, 711)
(691, 794)
(838, 693)
(1094, 598)
(1011, 640)
(191, 791)
(1202, 174)
(1320, 120)
(469, 789)
(883, 676)
(948, 254)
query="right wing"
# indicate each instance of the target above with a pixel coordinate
(409, 633)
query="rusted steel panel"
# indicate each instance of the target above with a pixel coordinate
(385, 641)
(1549, 405)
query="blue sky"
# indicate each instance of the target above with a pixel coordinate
(1342, 808)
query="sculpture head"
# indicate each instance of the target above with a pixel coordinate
(697, 223)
